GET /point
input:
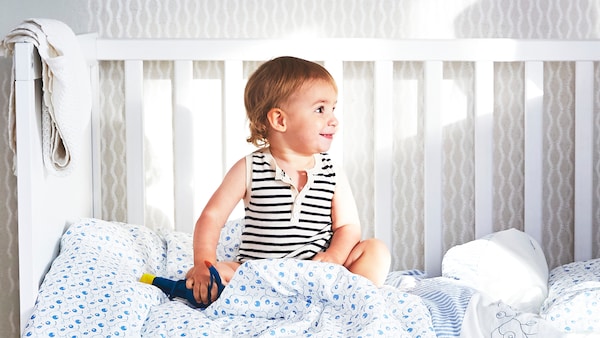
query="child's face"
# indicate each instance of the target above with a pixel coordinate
(311, 121)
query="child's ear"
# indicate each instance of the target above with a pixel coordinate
(277, 119)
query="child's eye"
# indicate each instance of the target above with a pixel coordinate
(320, 110)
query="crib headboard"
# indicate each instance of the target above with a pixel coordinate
(43, 214)
(47, 203)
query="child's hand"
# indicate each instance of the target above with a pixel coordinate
(198, 280)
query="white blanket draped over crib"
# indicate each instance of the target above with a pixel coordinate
(66, 90)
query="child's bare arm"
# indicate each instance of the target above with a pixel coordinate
(209, 224)
(369, 258)
(345, 223)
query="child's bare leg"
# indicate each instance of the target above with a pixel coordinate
(226, 270)
(371, 259)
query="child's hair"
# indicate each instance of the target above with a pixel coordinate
(271, 85)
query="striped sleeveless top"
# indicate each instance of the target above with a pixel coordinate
(281, 222)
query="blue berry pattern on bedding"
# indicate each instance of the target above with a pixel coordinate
(573, 303)
(93, 290)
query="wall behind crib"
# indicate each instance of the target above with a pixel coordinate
(560, 19)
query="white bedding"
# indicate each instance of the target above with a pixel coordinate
(573, 303)
(92, 289)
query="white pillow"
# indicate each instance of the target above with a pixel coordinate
(508, 266)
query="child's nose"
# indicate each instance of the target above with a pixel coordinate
(333, 121)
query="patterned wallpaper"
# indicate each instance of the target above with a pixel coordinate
(548, 19)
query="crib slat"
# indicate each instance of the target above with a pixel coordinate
(184, 146)
(234, 118)
(534, 149)
(134, 115)
(433, 167)
(484, 139)
(383, 139)
(96, 142)
(584, 160)
(336, 69)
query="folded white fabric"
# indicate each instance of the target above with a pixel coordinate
(508, 266)
(66, 86)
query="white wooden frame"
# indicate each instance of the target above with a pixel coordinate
(43, 215)
(47, 204)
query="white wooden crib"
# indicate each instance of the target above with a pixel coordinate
(47, 203)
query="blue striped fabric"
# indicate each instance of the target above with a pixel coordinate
(447, 302)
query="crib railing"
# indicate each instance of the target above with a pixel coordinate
(483, 53)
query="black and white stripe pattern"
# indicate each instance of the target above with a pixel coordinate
(281, 222)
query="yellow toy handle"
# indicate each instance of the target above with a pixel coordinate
(147, 278)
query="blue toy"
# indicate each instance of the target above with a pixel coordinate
(177, 288)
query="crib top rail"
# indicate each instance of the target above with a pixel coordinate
(370, 49)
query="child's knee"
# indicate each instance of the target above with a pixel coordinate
(377, 247)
